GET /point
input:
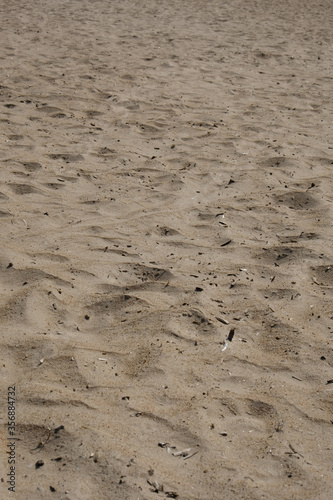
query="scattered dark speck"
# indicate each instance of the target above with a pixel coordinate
(226, 243)
(231, 335)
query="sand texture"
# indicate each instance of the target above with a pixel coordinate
(166, 260)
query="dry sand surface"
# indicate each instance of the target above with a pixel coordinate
(166, 184)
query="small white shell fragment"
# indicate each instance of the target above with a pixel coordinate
(94, 456)
(225, 345)
(102, 359)
(182, 453)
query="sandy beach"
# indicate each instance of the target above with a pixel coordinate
(166, 264)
